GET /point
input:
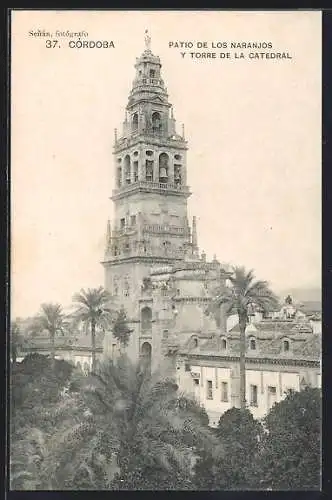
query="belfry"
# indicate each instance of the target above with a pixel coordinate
(152, 263)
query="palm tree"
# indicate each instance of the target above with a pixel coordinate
(52, 319)
(138, 432)
(92, 309)
(243, 294)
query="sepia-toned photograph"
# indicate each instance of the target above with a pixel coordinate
(166, 310)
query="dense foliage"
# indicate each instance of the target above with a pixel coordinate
(120, 428)
(240, 435)
(120, 329)
(291, 449)
(124, 428)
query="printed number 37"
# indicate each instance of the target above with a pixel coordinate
(50, 44)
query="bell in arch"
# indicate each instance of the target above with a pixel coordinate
(163, 172)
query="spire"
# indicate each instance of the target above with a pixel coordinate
(147, 40)
(115, 135)
(182, 131)
(194, 233)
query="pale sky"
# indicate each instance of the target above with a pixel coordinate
(253, 129)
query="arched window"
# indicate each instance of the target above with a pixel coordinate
(252, 344)
(79, 366)
(163, 167)
(195, 342)
(285, 345)
(135, 121)
(223, 344)
(146, 318)
(156, 122)
(146, 351)
(86, 368)
(127, 169)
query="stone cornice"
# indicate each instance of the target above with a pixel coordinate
(140, 259)
(61, 348)
(262, 360)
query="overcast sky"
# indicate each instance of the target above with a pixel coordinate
(253, 128)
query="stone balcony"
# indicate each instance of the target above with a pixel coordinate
(159, 138)
(157, 252)
(152, 228)
(148, 187)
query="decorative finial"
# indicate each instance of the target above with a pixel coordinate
(172, 115)
(147, 40)
(115, 134)
(182, 130)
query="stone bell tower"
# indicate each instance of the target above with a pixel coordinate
(150, 226)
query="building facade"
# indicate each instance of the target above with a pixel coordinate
(281, 355)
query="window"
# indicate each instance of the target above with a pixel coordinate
(209, 393)
(224, 392)
(196, 381)
(271, 395)
(286, 345)
(253, 395)
(118, 176)
(126, 287)
(187, 367)
(127, 169)
(156, 122)
(122, 223)
(135, 121)
(152, 73)
(113, 350)
(149, 170)
(223, 344)
(252, 344)
(146, 319)
(195, 341)
(133, 220)
(135, 166)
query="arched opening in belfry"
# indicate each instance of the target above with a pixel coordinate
(146, 353)
(146, 318)
(163, 167)
(135, 121)
(127, 169)
(156, 122)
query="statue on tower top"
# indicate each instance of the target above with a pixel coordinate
(147, 40)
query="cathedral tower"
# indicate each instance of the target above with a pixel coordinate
(150, 227)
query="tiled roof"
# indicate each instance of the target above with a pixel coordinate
(79, 340)
(303, 345)
(286, 327)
